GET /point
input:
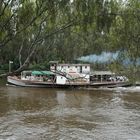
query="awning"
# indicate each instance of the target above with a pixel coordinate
(42, 73)
(102, 73)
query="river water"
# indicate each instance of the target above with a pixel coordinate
(69, 114)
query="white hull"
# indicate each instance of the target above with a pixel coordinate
(26, 83)
(10, 80)
(110, 84)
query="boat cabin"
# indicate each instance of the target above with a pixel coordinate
(101, 76)
(70, 73)
(37, 75)
(106, 76)
(79, 68)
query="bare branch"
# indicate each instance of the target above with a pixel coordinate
(33, 46)
(19, 53)
(60, 29)
(8, 38)
(6, 4)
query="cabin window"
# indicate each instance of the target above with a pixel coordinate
(61, 77)
(85, 67)
(75, 66)
(68, 66)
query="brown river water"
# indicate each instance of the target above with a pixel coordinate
(69, 114)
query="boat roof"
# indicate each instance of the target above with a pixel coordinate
(53, 62)
(102, 73)
(35, 72)
(73, 64)
(42, 73)
(26, 72)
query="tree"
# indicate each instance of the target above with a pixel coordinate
(33, 22)
(126, 37)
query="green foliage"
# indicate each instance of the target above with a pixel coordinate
(65, 30)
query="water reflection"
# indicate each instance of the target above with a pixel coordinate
(33, 113)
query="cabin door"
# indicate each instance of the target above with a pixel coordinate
(80, 69)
